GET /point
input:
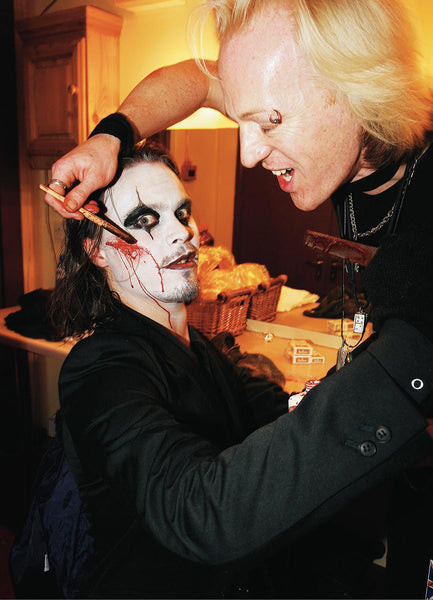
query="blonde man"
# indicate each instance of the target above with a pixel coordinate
(358, 60)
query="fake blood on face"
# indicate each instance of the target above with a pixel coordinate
(130, 255)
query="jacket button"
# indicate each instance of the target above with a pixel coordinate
(417, 384)
(367, 448)
(383, 434)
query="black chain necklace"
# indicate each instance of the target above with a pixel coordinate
(360, 318)
(349, 199)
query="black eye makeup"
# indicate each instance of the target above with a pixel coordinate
(142, 217)
(183, 213)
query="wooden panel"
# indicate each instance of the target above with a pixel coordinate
(51, 89)
(71, 78)
(102, 76)
(269, 229)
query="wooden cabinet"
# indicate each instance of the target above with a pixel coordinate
(71, 78)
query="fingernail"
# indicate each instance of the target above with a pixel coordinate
(72, 205)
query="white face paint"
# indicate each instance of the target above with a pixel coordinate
(160, 270)
(317, 146)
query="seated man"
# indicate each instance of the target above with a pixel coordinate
(193, 472)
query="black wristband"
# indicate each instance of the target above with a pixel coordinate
(117, 125)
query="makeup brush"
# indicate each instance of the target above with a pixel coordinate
(108, 225)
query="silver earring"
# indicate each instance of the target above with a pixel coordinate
(276, 120)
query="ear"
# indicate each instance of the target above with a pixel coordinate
(94, 253)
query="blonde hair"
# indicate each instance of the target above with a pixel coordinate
(365, 52)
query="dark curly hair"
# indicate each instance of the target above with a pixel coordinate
(81, 299)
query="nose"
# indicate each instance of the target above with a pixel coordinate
(178, 232)
(254, 147)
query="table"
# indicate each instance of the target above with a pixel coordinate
(296, 375)
(294, 324)
(37, 365)
(30, 402)
(37, 346)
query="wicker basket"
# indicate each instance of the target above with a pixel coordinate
(227, 313)
(264, 302)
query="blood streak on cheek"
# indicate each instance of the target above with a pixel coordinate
(130, 255)
(157, 266)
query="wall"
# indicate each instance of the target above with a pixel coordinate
(212, 192)
(421, 12)
(151, 37)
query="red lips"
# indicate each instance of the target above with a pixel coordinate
(186, 261)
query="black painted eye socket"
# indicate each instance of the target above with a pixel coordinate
(146, 221)
(184, 215)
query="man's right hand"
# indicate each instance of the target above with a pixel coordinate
(88, 167)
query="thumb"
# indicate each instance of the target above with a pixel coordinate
(79, 194)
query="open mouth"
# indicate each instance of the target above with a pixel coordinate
(286, 174)
(186, 261)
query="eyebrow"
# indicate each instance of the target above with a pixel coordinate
(143, 209)
(251, 114)
(255, 113)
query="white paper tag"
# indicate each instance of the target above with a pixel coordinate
(359, 320)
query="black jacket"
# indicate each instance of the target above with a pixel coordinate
(191, 483)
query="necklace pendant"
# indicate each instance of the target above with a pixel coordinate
(341, 357)
(359, 322)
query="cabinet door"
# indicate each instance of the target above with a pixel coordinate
(54, 86)
(71, 78)
(269, 229)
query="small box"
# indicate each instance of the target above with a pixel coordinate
(334, 326)
(298, 359)
(300, 348)
(317, 358)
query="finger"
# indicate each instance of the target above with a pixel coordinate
(60, 208)
(77, 197)
(92, 206)
(57, 183)
(59, 187)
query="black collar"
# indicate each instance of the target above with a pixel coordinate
(374, 180)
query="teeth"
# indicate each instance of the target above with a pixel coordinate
(183, 260)
(287, 174)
